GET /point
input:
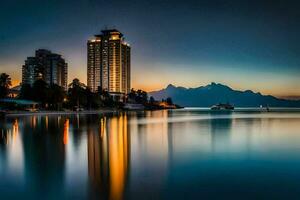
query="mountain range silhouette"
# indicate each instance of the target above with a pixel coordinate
(214, 93)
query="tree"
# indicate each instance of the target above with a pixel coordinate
(151, 100)
(26, 92)
(138, 96)
(5, 83)
(56, 95)
(93, 99)
(107, 99)
(169, 101)
(77, 93)
(132, 95)
(40, 91)
(77, 84)
(142, 97)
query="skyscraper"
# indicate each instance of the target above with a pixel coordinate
(47, 66)
(108, 64)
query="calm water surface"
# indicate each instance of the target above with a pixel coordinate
(182, 154)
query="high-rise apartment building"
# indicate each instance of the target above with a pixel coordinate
(108, 64)
(47, 66)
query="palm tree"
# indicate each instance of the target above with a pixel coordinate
(76, 93)
(76, 83)
(5, 83)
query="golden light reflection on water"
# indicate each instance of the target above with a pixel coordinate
(108, 156)
(66, 132)
(33, 121)
(47, 122)
(11, 148)
(10, 135)
(102, 128)
(15, 129)
(118, 158)
(94, 160)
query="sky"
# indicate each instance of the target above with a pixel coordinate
(245, 44)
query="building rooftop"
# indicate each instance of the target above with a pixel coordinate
(109, 32)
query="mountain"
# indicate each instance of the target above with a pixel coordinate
(206, 96)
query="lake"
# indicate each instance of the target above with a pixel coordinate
(179, 154)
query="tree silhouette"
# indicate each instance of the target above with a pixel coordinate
(169, 101)
(151, 100)
(5, 83)
(138, 96)
(40, 92)
(93, 99)
(26, 92)
(77, 93)
(56, 95)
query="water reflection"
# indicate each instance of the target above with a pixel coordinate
(108, 157)
(152, 149)
(220, 129)
(148, 155)
(66, 130)
(44, 153)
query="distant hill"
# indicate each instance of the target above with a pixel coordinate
(206, 96)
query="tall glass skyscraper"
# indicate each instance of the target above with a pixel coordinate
(108, 66)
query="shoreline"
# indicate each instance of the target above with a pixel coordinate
(85, 112)
(25, 113)
(111, 111)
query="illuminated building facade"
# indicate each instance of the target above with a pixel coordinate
(108, 63)
(47, 66)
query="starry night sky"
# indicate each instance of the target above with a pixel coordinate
(244, 44)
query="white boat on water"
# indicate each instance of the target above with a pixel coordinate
(222, 106)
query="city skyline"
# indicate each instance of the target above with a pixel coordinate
(149, 99)
(246, 45)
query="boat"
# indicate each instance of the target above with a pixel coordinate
(222, 106)
(267, 108)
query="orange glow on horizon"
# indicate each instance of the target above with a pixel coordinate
(15, 83)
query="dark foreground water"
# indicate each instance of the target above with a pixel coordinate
(183, 154)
